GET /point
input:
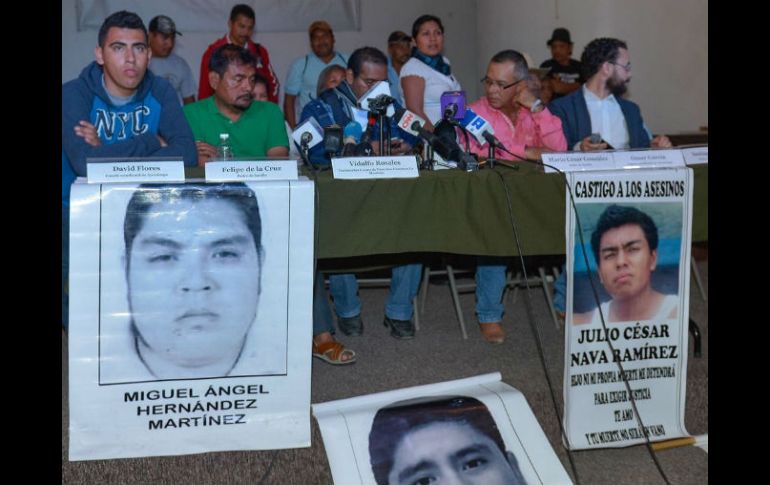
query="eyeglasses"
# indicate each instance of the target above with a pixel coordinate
(488, 83)
(627, 67)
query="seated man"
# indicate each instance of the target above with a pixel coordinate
(117, 108)
(366, 67)
(255, 129)
(625, 245)
(598, 107)
(525, 127)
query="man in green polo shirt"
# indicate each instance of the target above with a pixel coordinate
(256, 129)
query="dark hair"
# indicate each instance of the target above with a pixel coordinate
(392, 423)
(365, 54)
(227, 54)
(398, 36)
(260, 79)
(242, 9)
(121, 20)
(425, 18)
(616, 216)
(599, 51)
(520, 66)
(148, 195)
(324, 76)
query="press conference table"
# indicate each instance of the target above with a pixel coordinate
(451, 211)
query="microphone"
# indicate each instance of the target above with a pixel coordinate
(453, 105)
(378, 99)
(332, 139)
(351, 135)
(478, 127)
(308, 134)
(448, 149)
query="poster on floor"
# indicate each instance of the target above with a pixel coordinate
(190, 311)
(628, 241)
(477, 430)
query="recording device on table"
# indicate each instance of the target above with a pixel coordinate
(596, 138)
(448, 149)
(307, 135)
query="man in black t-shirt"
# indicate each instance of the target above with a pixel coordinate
(564, 75)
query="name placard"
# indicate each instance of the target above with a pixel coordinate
(118, 171)
(648, 159)
(696, 155)
(240, 170)
(578, 161)
(380, 167)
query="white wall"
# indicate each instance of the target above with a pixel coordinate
(667, 41)
(379, 19)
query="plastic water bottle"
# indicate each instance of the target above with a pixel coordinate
(224, 149)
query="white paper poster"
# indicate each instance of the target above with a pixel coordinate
(476, 431)
(636, 229)
(190, 311)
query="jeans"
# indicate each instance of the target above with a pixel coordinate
(490, 282)
(560, 290)
(404, 283)
(322, 314)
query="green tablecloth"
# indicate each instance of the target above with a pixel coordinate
(451, 211)
(456, 212)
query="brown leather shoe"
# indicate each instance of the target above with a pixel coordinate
(492, 332)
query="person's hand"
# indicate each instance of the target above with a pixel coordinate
(205, 152)
(162, 141)
(587, 146)
(399, 147)
(527, 92)
(661, 141)
(534, 153)
(87, 132)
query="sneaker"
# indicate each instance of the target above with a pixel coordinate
(400, 329)
(352, 326)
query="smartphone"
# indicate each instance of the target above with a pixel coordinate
(597, 138)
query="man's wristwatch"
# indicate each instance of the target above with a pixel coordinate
(537, 106)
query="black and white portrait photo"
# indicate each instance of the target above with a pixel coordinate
(192, 282)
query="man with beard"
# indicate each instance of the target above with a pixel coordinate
(254, 129)
(598, 107)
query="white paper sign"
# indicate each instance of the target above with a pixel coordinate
(648, 159)
(136, 171)
(190, 311)
(411, 432)
(635, 251)
(242, 170)
(696, 155)
(578, 161)
(378, 167)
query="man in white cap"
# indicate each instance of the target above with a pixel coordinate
(165, 63)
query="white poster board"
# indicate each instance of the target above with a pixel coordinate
(474, 430)
(636, 227)
(190, 311)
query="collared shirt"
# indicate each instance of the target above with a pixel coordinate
(258, 129)
(606, 119)
(302, 80)
(395, 84)
(541, 129)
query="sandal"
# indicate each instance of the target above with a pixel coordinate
(332, 352)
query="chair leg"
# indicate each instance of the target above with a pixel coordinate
(424, 286)
(548, 297)
(416, 313)
(515, 291)
(456, 299)
(698, 282)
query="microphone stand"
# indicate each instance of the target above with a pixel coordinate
(491, 158)
(305, 155)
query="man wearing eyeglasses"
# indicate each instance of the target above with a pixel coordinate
(598, 107)
(526, 128)
(254, 129)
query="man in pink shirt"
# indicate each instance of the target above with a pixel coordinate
(526, 128)
(520, 119)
